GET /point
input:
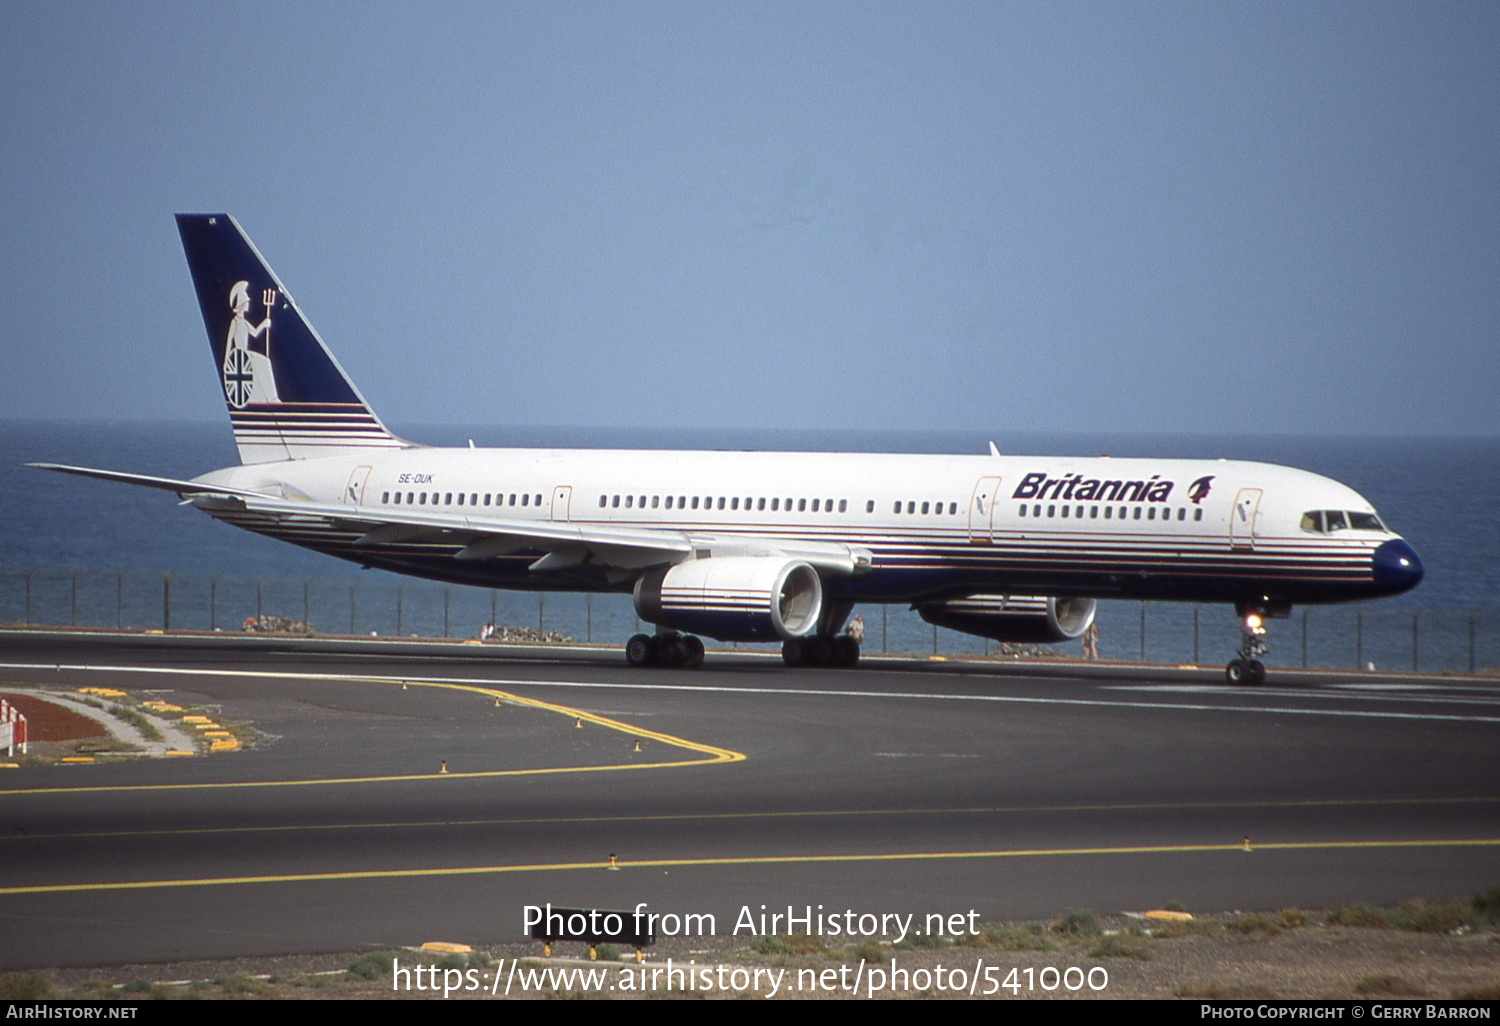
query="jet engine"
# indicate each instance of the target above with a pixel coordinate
(1020, 618)
(733, 598)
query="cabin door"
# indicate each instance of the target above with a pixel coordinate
(562, 501)
(354, 491)
(1242, 520)
(982, 510)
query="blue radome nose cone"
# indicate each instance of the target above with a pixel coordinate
(1397, 567)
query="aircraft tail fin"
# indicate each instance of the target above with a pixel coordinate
(288, 397)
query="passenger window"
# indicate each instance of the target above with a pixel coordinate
(1107, 511)
(1151, 513)
(1198, 513)
(870, 506)
(1052, 511)
(1182, 513)
(1093, 512)
(924, 507)
(1138, 513)
(843, 505)
(911, 507)
(460, 498)
(1065, 512)
(1078, 512)
(760, 504)
(629, 501)
(525, 499)
(422, 499)
(1023, 509)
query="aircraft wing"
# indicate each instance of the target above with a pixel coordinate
(565, 543)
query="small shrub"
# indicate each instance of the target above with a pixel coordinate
(1255, 924)
(1078, 923)
(1366, 916)
(1487, 904)
(1422, 917)
(608, 952)
(24, 986)
(869, 951)
(1174, 906)
(915, 941)
(1292, 918)
(372, 965)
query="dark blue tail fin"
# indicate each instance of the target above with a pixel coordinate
(288, 398)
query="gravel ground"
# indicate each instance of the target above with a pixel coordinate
(1228, 957)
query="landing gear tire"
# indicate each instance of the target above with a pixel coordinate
(694, 647)
(845, 651)
(671, 652)
(641, 650)
(794, 652)
(1247, 672)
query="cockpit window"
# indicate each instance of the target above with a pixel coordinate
(1327, 521)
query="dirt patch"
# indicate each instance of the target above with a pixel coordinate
(48, 721)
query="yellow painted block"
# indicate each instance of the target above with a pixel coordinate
(179, 751)
(78, 758)
(195, 719)
(207, 725)
(217, 733)
(155, 632)
(224, 746)
(447, 948)
(105, 692)
(10, 765)
(1161, 913)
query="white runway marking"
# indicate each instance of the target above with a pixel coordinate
(785, 692)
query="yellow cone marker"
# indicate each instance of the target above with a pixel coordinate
(445, 767)
(1245, 844)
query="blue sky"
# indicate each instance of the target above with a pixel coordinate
(1119, 217)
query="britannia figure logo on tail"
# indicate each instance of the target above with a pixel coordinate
(248, 374)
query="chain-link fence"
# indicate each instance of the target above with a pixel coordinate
(1387, 638)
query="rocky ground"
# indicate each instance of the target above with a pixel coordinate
(1288, 955)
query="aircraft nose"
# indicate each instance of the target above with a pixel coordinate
(1396, 566)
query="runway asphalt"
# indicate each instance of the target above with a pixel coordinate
(1007, 791)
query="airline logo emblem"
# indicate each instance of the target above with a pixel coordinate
(248, 374)
(1199, 489)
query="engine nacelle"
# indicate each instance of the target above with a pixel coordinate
(733, 598)
(1019, 618)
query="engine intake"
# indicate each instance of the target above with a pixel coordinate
(733, 598)
(1017, 618)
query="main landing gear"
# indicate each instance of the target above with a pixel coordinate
(821, 650)
(670, 651)
(1245, 668)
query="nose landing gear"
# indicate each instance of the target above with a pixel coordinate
(1245, 668)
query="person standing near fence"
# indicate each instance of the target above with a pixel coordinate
(1091, 641)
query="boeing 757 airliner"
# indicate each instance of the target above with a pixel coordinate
(756, 546)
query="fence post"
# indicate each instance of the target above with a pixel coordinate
(260, 599)
(541, 611)
(494, 616)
